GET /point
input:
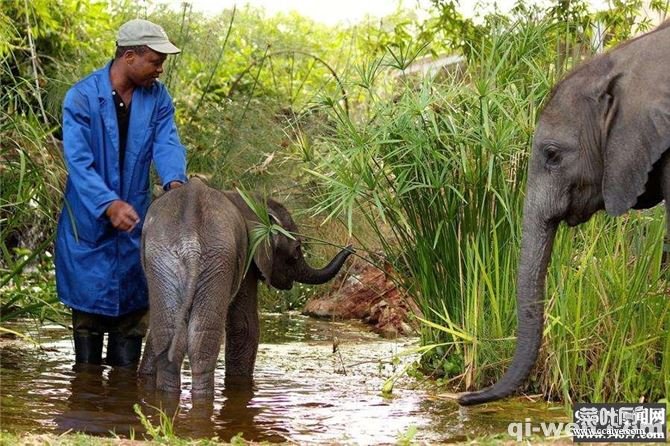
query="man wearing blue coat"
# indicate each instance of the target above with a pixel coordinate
(116, 121)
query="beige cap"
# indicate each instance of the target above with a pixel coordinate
(143, 32)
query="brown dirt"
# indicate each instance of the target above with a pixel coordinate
(369, 294)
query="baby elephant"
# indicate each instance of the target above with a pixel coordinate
(195, 244)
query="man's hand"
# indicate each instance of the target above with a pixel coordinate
(122, 215)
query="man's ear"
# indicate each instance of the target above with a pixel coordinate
(129, 57)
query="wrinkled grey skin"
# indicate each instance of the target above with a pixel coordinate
(600, 143)
(194, 249)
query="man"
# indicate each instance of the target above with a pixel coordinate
(116, 122)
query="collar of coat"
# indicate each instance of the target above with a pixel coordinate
(143, 104)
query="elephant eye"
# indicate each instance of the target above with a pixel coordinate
(552, 157)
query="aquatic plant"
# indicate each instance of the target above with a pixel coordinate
(163, 432)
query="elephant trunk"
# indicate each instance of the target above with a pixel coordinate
(310, 276)
(537, 242)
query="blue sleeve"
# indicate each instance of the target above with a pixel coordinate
(94, 194)
(168, 154)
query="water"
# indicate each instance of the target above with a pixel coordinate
(302, 393)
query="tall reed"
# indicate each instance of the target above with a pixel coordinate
(30, 183)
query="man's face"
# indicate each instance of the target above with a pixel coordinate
(144, 69)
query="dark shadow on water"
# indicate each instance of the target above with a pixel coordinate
(239, 413)
(232, 412)
(101, 400)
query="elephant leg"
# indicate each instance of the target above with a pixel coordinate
(243, 331)
(168, 373)
(155, 361)
(164, 279)
(206, 332)
(203, 360)
(207, 320)
(148, 362)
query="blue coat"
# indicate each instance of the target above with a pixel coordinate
(98, 268)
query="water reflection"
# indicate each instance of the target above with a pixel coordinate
(302, 392)
(101, 400)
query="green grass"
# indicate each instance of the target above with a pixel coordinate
(31, 178)
(79, 439)
(609, 312)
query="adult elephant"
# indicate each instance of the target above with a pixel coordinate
(195, 244)
(600, 143)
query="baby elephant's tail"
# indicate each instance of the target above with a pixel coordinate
(191, 269)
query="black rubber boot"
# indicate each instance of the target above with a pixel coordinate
(123, 351)
(88, 348)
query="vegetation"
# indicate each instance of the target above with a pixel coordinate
(31, 164)
(80, 439)
(431, 171)
(443, 165)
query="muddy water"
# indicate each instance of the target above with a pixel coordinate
(303, 392)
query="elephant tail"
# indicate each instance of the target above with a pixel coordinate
(191, 265)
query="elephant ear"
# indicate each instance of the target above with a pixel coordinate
(264, 254)
(636, 129)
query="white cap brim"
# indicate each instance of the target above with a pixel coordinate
(164, 48)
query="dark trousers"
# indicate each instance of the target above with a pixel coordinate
(124, 339)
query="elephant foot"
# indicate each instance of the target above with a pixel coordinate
(168, 382)
(146, 381)
(168, 387)
(148, 362)
(202, 395)
(203, 385)
(147, 369)
(239, 381)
